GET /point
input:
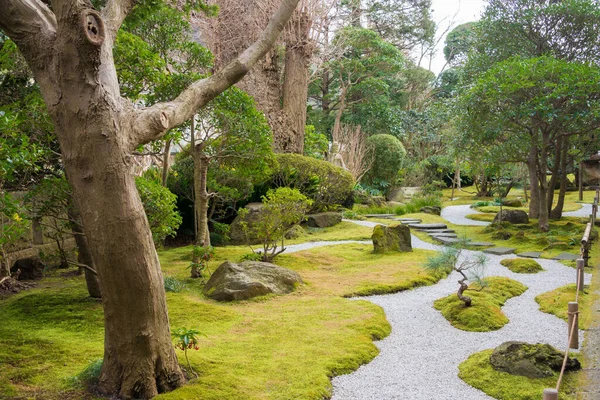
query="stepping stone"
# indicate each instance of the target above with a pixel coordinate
(479, 244)
(428, 227)
(530, 254)
(434, 231)
(448, 235)
(445, 240)
(500, 251)
(413, 220)
(566, 257)
(384, 216)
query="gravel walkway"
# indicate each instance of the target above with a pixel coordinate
(420, 358)
(584, 211)
(458, 215)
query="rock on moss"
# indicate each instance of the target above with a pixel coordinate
(513, 216)
(391, 238)
(295, 232)
(530, 360)
(435, 210)
(522, 265)
(249, 279)
(512, 203)
(324, 220)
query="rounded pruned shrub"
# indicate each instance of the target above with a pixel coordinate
(324, 183)
(388, 154)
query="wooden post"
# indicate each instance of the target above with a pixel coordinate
(580, 276)
(550, 394)
(573, 312)
(36, 232)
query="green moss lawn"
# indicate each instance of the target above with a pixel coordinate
(485, 313)
(276, 347)
(522, 265)
(479, 373)
(556, 302)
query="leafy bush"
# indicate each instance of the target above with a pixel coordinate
(322, 182)
(388, 154)
(315, 144)
(173, 284)
(160, 207)
(90, 375)
(283, 208)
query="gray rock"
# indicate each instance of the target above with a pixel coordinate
(450, 241)
(428, 227)
(512, 203)
(530, 360)
(566, 257)
(513, 216)
(500, 251)
(447, 235)
(391, 238)
(324, 220)
(382, 216)
(480, 244)
(530, 254)
(431, 210)
(249, 279)
(237, 234)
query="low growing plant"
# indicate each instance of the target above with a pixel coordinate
(200, 258)
(173, 284)
(187, 339)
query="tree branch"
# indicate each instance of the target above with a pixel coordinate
(114, 13)
(32, 26)
(152, 123)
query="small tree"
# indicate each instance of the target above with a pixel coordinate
(283, 208)
(469, 268)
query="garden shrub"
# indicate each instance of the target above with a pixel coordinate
(161, 210)
(388, 154)
(324, 183)
(173, 284)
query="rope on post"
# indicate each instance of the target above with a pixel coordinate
(573, 314)
(564, 364)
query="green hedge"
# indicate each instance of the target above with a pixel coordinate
(324, 183)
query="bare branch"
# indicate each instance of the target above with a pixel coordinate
(152, 123)
(93, 271)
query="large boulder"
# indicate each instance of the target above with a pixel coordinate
(512, 203)
(237, 234)
(530, 360)
(249, 279)
(28, 269)
(391, 238)
(513, 216)
(323, 220)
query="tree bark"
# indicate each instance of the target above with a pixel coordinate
(534, 188)
(542, 162)
(295, 85)
(165, 164)
(84, 254)
(556, 213)
(554, 178)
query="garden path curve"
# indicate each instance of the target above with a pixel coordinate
(419, 359)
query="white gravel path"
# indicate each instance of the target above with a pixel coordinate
(458, 215)
(584, 211)
(419, 359)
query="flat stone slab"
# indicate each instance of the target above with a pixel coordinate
(500, 251)
(445, 240)
(566, 257)
(530, 254)
(414, 220)
(427, 227)
(448, 235)
(384, 216)
(479, 244)
(433, 231)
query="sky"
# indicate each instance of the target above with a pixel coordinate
(457, 12)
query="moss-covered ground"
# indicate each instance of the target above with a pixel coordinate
(479, 373)
(556, 302)
(522, 265)
(275, 347)
(485, 313)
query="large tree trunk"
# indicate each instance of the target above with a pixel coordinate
(556, 213)
(295, 85)
(554, 178)
(542, 163)
(534, 188)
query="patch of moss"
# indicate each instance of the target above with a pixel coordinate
(556, 302)
(479, 373)
(485, 313)
(522, 265)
